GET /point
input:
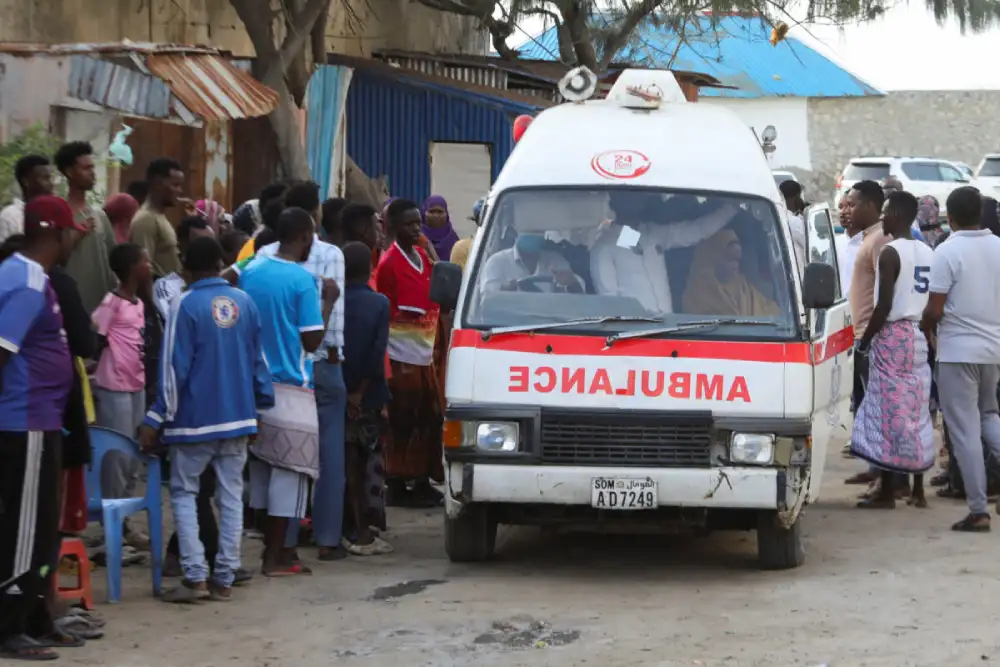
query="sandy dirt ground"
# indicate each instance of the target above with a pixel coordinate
(879, 588)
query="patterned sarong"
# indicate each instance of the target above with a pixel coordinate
(288, 436)
(892, 427)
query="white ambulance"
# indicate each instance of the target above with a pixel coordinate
(632, 342)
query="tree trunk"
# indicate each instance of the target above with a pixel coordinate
(575, 19)
(272, 66)
(285, 121)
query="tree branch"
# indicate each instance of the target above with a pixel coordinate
(626, 25)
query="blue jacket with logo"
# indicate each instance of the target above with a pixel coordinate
(213, 375)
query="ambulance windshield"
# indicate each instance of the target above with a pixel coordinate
(561, 254)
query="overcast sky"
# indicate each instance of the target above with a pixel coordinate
(904, 50)
(908, 50)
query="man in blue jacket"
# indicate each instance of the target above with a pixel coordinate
(213, 379)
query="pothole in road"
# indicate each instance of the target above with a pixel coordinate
(524, 632)
(396, 591)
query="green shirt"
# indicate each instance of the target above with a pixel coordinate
(88, 265)
(152, 231)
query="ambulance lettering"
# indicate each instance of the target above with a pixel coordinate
(651, 384)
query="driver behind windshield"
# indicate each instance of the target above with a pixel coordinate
(717, 286)
(528, 267)
(639, 270)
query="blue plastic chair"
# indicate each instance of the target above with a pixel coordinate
(114, 511)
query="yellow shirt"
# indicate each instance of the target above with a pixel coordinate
(460, 252)
(246, 251)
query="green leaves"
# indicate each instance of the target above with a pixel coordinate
(34, 140)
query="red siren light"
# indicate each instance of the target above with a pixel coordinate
(521, 124)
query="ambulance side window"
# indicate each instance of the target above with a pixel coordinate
(820, 247)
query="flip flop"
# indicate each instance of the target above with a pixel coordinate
(290, 570)
(23, 647)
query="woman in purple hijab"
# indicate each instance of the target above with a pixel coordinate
(437, 226)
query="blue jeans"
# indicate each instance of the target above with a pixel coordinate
(328, 492)
(188, 462)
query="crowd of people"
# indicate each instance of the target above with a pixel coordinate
(286, 360)
(926, 317)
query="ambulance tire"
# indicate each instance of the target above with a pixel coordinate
(778, 548)
(472, 536)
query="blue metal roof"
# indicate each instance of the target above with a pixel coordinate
(736, 51)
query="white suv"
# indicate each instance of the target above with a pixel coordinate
(919, 176)
(988, 175)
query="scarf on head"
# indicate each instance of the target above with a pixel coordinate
(927, 222)
(120, 209)
(211, 211)
(443, 238)
(707, 295)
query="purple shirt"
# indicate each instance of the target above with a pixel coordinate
(35, 381)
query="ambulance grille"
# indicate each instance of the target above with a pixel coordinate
(627, 439)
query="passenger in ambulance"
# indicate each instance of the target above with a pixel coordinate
(629, 259)
(717, 285)
(529, 267)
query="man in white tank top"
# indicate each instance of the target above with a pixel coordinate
(892, 427)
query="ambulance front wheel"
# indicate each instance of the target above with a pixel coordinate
(471, 536)
(778, 547)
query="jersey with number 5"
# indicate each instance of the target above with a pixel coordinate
(913, 284)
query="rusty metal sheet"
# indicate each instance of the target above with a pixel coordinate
(102, 48)
(118, 87)
(211, 88)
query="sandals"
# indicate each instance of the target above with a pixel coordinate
(23, 647)
(378, 547)
(289, 570)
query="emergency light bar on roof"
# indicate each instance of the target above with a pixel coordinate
(646, 89)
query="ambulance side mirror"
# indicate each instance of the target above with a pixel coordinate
(446, 282)
(819, 285)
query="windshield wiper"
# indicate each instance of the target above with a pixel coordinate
(684, 326)
(522, 328)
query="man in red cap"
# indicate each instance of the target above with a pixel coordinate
(35, 378)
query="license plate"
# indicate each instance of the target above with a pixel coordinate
(610, 493)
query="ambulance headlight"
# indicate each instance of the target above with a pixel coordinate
(751, 448)
(492, 436)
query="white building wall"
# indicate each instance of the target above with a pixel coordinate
(788, 115)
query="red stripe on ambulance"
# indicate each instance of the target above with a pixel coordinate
(788, 353)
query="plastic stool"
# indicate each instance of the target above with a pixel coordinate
(73, 547)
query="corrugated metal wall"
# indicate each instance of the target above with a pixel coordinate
(391, 124)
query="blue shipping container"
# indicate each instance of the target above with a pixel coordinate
(391, 123)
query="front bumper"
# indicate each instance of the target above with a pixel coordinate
(722, 488)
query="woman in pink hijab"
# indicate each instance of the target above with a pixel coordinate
(120, 209)
(211, 211)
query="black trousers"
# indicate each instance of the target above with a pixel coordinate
(208, 527)
(30, 463)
